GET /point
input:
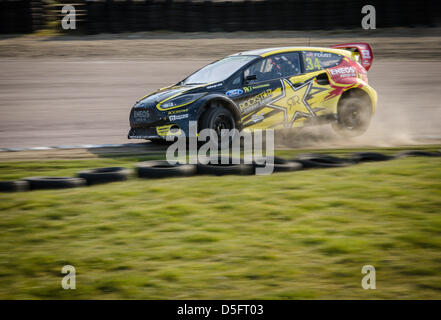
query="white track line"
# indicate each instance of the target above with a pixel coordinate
(135, 145)
(81, 146)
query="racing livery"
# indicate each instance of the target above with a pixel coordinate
(265, 88)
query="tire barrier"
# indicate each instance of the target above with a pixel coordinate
(15, 16)
(280, 165)
(418, 153)
(163, 169)
(369, 156)
(113, 16)
(38, 183)
(103, 175)
(319, 160)
(12, 186)
(214, 166)
(250, 15)
(53, 16)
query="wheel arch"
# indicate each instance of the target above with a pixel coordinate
(356, 93)
(225, 102)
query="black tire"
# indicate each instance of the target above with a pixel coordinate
(309, 164)
(163, 169)
(103, 175)
(369, 156)
(281, 165)
(219, 169)
(13, 186)
(353, 116)
(217, 118)
(323, 157)
(417, 153)
(37, 183)
(318, 160)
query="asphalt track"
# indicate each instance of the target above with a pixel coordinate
(87, 101)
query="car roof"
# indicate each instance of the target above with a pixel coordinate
(270, 51)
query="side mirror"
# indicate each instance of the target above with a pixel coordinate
(251, 77)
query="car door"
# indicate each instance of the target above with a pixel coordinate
(308, 93)
(263, 86)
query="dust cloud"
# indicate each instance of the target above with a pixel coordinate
(408, 110)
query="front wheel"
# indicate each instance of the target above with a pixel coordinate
(221, 122)
(353, 117)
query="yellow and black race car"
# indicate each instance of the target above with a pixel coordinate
(266, 88)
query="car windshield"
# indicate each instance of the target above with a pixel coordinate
(219, 70)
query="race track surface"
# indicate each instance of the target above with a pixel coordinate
(47, 102)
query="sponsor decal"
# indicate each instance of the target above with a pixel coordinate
(343, 72)
(257, 101)
(251, 88)
(141, 115)
(365, 54)
(293, 101)
(178, 117)
(257, 117)
(215, 85)
(177, 111)
(234, 93)
(318, 54)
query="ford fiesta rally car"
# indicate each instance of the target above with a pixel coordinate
(266, 88)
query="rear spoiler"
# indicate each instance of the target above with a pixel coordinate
(361, 52)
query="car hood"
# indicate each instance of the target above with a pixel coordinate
(164, 93)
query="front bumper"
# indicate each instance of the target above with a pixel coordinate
(160, 132)
(142, 134)
(147, 122)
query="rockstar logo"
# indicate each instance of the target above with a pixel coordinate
(294, 101)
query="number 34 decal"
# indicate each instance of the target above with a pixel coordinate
(311, 65)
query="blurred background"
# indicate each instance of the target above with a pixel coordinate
(115, 16)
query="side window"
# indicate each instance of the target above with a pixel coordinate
(237, 80)
(273, 67)
(318, 60)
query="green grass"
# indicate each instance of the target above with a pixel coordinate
(298, 235)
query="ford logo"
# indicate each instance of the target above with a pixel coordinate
(234, 93)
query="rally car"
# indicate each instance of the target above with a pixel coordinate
(265, 88)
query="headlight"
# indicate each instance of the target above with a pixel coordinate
(139, 105)
(180, 100)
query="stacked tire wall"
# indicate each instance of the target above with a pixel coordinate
(115, 16)
(16, 16)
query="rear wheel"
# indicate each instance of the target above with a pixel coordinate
(353, 116)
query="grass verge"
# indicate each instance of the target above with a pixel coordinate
(303, 234)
